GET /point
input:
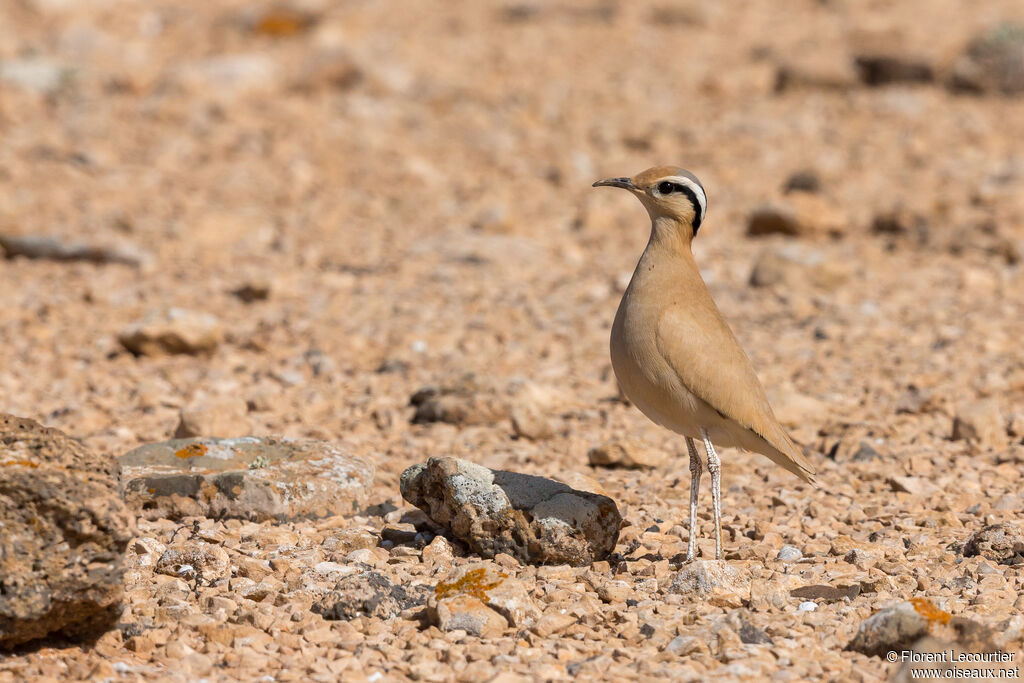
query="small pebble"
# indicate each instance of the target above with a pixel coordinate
(788, 553)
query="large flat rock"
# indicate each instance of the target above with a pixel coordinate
(250, 478)
(63, 532)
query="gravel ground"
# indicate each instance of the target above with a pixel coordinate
(359, 200)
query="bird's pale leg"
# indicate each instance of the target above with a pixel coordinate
(715, 470)
(695, 472)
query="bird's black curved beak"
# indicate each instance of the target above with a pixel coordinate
(624, 183)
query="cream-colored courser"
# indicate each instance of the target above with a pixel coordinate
(673, 353)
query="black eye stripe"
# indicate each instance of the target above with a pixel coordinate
(666, 187)
(697, 217)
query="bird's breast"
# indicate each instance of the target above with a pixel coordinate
(644, 376)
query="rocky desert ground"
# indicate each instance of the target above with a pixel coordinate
(364, 233)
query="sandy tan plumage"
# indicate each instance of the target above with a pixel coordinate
(672, 351)
(677, 359)
(709, 361)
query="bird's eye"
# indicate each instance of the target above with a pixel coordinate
(666, 187)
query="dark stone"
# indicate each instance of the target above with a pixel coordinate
(52, 249)
(865, 453)
(973, 636)
(752, 635)
(877, 70)
(460, 401)
(803, 181)
(739, 621)
(64, 533)
(771, 219)
(394, 366)
(826, 593)
(894, 628)
(252, 291)
(1002, 543)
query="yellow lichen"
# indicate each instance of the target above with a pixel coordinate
(929, 611)
(472, 583)
(23, 463)
(193, 450)
(281, 22)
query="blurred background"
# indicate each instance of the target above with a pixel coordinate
(289, 217)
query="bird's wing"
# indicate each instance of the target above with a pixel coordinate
(698, 345)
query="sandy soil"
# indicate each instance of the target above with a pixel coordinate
(412, 183)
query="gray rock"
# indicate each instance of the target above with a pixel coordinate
(1002, 542)
(251, 478)
(992, 63)
(896, 627)
(714, 581)
(788, 553)
(64, 533)
(369, 594)
(35, 74)
(49, 248)
(533, 519)
(865, 453)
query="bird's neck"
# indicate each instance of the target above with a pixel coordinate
(670, 235)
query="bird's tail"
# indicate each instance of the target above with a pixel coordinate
(781, 450)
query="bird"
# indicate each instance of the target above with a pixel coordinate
(675, 356)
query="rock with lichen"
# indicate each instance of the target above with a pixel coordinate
(63, 533)
(469, 597)
(534, 519)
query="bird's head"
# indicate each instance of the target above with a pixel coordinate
(667, 192)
